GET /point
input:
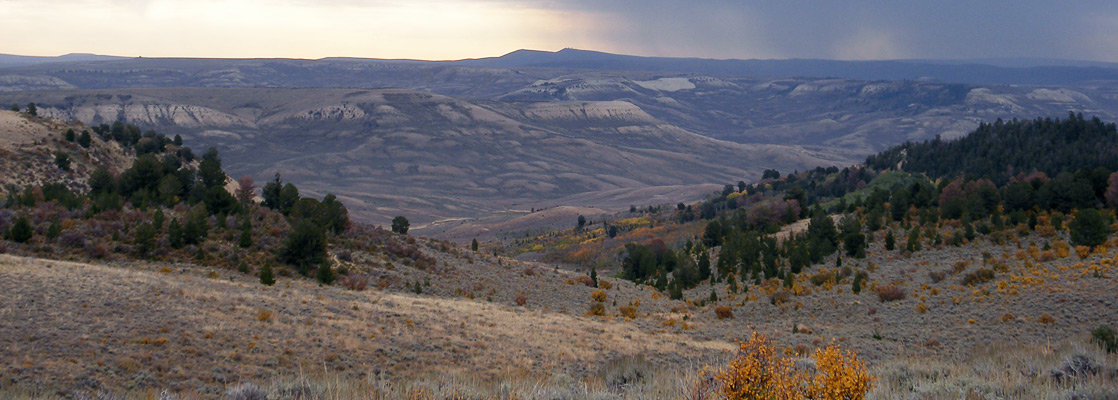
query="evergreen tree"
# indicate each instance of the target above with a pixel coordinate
(1089, 228)
(400, 225)
(289, 195)
(32, 110)
(246, 235)
(594, 276)
(891, 241)
(62, 160)
(85, 140)
(912, 244)
(704, 265)
(266, 277)
(209, 170)
(54, 230)
(473, 245)
(70, 136)
(144, 238)
(271, 193)
(325, 274)
(195, 230)
(174, 234)
(20, 232)
(305, 247)
(158, 219)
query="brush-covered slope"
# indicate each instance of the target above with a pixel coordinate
(31, 149)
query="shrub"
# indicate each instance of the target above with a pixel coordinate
(246, 391)
(890, 293)
(1106, 338)
(355, 283)
(780, 297)
(597, 308)
(1046, 319)
(839, 375)
(629, 311)
(1062, 249)
(604, 284)
(264, 316)
(822, 277)
(759, 373)
(979, 277)
(921, 308)
(724, 312)
(1082, 251)
(599, 296)
(937, 276)
(521, 299)
(586, 280)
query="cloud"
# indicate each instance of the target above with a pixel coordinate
(447, 29)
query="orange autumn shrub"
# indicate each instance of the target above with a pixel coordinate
(758, 372)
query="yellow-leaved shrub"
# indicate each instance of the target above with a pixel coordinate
(758, 372)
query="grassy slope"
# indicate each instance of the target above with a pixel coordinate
(133, 327)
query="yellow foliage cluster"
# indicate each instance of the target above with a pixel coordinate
(629, 311)
(599, 296)
(1062, 249)
(636, 221)
(759, 373)
(1082, 251)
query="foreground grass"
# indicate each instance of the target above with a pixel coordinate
(992, 372)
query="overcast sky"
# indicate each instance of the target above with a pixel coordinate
(455, 29)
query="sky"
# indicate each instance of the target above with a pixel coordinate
(457, 29)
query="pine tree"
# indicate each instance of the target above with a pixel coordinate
(1089, 228)
(266, 277)
(85, 139)
(20, 232)
(325, 274)
(400, 225)
(174, 234)
(70, 136)
(891, 241)
(158, 219)
(144, 238)
(473, 245)
(594, 276)
(246, 235)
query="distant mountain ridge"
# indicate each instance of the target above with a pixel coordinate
(1022, 71)
(956, 71)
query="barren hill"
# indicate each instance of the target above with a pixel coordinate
(388, 152)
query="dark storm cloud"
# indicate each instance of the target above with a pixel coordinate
(859, 29)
